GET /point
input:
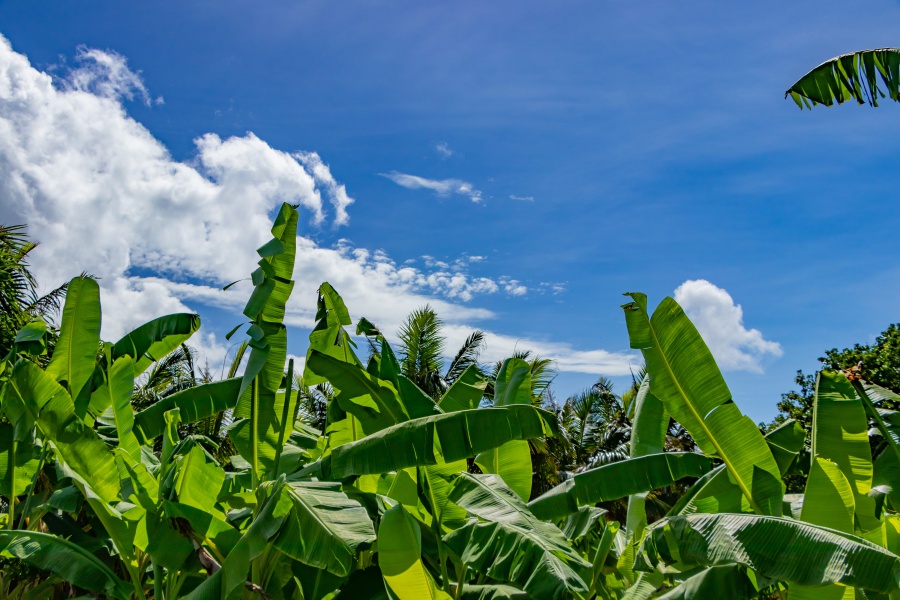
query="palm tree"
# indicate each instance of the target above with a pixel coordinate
(19, 300)
(422, 352)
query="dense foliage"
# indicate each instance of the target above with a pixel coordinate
(116, 488)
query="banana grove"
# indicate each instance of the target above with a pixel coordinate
(409, 495)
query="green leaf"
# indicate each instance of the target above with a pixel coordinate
(778, 548)
(828, 502)
(617, 480)
(231, 577)
(64, 559)
(492, 592)
(52, 410)
(31, 338)
(512, 544)
(726, 581)
(118, 388)
(153, 340)
(325, 529)
(460, 434)
(512, 462)
(684, 375)
(328, 337)
(852, 76)
(27, 459)
(79, 338)
(195, 403)
(199, 482)
(786, 442)
(513, 384)
(840, 434)
(373, 401)
(465, 393)
(400, 557)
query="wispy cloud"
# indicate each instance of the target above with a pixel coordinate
(721, 324)
(443, 149)
(521, 198)
(442, 187)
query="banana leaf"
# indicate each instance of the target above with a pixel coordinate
(726, 581)
(840, 434)
(852, 76)
(75, 353)
(511, 544)
(778, 548)
(328, 336)
(461, 434)
(325, 529)
(617, 480)
(155, 339)
(195, 404)
(684, 375)
(66, 560)
(400, 557)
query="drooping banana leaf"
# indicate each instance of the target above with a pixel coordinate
(52, 410)
(461, 434)
(400, 557)
(65, 559)
(511, 544)
(233, 574)
(194, 403)
(617, 480)
(579, 524)
(512, 460)
(155, 339)
(786, 442)
(778, 548)
(840, 434)
(852, 76)
(75, 353)
(684, 375)
(325, 529)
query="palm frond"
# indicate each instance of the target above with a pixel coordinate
(467, 355)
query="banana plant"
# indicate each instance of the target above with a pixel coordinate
(852, 76)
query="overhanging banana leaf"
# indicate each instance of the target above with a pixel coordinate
(66, 560)
(465, 393)
(852, 76)
(684, 375)
(778, 548)
(512, 544)
(155, 339)
(195, 403)
(617, 480)
(325, 529)
(461, 434)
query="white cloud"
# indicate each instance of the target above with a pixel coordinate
(443, 149)
(442, 187)
(106, 74)
(337, 192)
(521, 198)
(721, 324)
(513, 287)
(103, 195)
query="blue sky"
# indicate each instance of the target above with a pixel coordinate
(547, 157)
